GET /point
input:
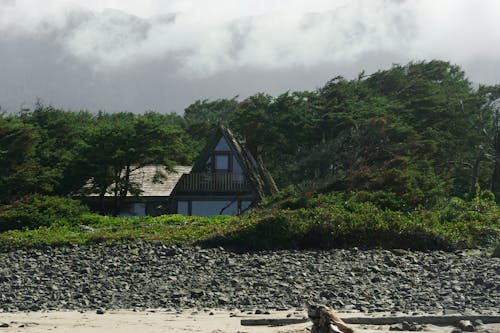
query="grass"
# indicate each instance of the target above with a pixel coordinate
(304, 221)
(168, 229)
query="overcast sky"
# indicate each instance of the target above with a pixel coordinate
(162, 55)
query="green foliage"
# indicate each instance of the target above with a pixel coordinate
(168, 229)
(40, 211)
(291, 220)
(21, 172)
(416, 130)
(394, 159)
(52, 151)
(340, 220)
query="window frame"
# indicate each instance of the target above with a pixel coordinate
(229, 157)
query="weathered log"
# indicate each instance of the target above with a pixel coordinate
(273, 321)
(424, 319)
(389, 320)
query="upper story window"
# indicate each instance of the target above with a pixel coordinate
(223, 159)
(221, 162)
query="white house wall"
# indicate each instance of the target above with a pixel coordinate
(211, 207)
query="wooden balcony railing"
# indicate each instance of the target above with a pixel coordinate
(213, 182)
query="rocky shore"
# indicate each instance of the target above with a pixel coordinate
(155, 276)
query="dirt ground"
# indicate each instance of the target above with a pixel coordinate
(161, 321)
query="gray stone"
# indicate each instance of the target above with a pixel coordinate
(396, 327)
(155, 276)
(406, 326)
(478, 322)
(466, 326)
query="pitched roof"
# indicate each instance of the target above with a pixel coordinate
(156, 180)
(153, 180)
(260, 179)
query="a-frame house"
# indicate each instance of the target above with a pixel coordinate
(225, 180)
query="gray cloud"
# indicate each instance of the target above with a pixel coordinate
(167, 56)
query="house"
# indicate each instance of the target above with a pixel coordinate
(224, 180)
(155, 183)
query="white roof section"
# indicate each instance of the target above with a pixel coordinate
(154, 180)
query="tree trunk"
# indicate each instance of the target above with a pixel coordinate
(116, 192)
(475, 171)
(495, 179)
(102, 194)
(125, 186)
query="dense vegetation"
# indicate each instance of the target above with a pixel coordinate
(405, 157)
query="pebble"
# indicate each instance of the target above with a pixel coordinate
(142, 275)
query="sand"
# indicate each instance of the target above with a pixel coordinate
(160, 321)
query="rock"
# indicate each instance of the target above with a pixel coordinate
(478, 322)
(196, 293)
(396, 327)
(496, 252)
(100, 311)
(450, 311)
(86, 228)
(466, 326)
(4, 325)
(146, 275)
(407, 326)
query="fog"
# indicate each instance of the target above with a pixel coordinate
(158, 55)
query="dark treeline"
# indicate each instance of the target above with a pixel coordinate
(410, 135)
(55, 152)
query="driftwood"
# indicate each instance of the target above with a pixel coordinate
(439, 320)
(273, 321)
(325, 320)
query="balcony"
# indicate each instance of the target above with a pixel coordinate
(213, 182)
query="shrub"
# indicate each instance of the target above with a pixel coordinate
(39, 210)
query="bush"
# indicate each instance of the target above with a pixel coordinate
(345, 220)
(39, 210)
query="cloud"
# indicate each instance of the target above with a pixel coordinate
(206, 38)
(207, 44)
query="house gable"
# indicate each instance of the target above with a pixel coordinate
(225, 178)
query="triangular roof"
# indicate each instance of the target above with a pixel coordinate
(259, 178)
(152, 180)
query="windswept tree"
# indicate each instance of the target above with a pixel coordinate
(491, 149)
(121, 143)
(61, 134)
(20, 172)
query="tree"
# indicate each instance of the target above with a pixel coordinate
(491, 108)
(61, 133)
(121, 143)
(20, 172)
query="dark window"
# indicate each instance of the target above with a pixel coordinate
(221, 162)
